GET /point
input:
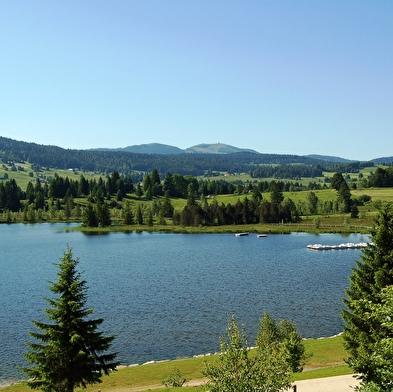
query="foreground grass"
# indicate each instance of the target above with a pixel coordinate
(326, 359)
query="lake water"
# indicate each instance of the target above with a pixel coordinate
(168, 295)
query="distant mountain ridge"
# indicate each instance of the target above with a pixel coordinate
(150, 148)
(329, 158)
(217, 148)
(165, 149)
(196, 161)
(220, 148)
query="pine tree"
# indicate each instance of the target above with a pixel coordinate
(128, 216)
(373, 273)
(90, 216)
(69, 352)
(139, 215)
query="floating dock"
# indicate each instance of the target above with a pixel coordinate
(348, 245)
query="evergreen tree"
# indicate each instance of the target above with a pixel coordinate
(190, 195)
(344, 197)
(103, 214)
(150, 218)
(372, 274)
(90, 216)
(139, 215)
(276, 195)
(167, 207)
(128, 217)
(12, 195)
(312, 200)
(382, 356)
(169, 185)
(69, 353)
(30, 194)
(337, 180)
(138, 191)
(155, 178)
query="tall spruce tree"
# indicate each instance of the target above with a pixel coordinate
(372, 274)
(69, 352)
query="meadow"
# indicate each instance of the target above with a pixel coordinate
(325, 359)
(25, 173)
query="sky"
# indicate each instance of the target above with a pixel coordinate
(279, 77)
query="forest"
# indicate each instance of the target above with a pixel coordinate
(127, 163)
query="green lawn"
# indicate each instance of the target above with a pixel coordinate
(326, 359)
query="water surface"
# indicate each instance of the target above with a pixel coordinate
(168, 295)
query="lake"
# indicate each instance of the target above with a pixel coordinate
(166, 296)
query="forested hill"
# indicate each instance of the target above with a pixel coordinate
(193, 164)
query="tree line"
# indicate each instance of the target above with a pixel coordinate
(58, 198)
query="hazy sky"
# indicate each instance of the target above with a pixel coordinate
(291, 77)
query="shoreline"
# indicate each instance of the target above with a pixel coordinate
(8, 382)
(271, 228)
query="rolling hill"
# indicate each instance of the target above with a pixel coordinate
(196, 161)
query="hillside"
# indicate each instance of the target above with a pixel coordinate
(217, 148)
(225, 159)
(151, 148)
(164, 149)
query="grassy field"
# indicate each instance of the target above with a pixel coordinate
(326, 359)
(23, 173)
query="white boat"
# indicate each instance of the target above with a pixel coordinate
(241, 234)
(261, 235)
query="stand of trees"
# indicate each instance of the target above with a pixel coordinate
(279, 351)
(56, 199)
(368, 327)
(381, 178)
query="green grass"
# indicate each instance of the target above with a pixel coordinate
(23, 177)
(326, 359)
(338, 223)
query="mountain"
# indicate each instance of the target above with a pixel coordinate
(153, 148)
(217, 148)
(329, 158)
(150, 148)
(164, 149)
(383, 160)
(195, 161)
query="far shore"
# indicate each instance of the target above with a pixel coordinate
(278, 228)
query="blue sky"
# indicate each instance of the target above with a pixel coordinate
(282, 77)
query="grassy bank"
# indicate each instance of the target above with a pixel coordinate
(326, 359)
(328, 225)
